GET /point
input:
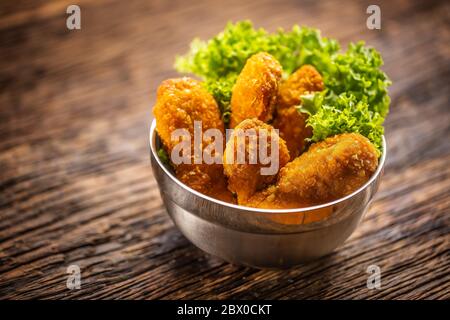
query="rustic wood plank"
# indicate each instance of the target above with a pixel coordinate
(76, 186)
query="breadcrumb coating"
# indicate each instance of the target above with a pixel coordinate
(179, 103)
(255, 92)
(329, 170)
(291, 122)
(245, 179)
(305, 79)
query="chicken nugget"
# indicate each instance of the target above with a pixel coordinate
(293, 129)
(255, 92)
(180, 103)
(329, 170)
(291, 122)
(272, 198)
(305, 79)
(247, 167)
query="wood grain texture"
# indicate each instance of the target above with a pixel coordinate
(76, 186)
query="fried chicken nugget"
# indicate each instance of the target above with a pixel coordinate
(179, 103)
(329, 170)
(305, 79)
(255, 92)
(245, 176)
(292, 128)
(290, 122)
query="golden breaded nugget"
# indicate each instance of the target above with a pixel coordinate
(305, 79)
(179, 103)
(293, 129)
(329, 170)
(244, 175)
(291, 122)
(271, 198)
(255, 92)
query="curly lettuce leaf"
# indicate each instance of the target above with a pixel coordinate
(224, 54)
(357, 72)
(163, 156)
(356, 97)
(346, 114)
(220, 60)
(301, 46)
(221, 90)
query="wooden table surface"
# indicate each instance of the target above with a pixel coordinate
(76, 186)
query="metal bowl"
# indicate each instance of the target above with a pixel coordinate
(260, 238)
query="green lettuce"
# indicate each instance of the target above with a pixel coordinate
(163, 156)
(356, 87)
(345, 114)
(357, 71)
(219, 60)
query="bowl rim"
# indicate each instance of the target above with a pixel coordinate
(152, 140)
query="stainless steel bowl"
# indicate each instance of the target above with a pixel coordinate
(260, 238)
